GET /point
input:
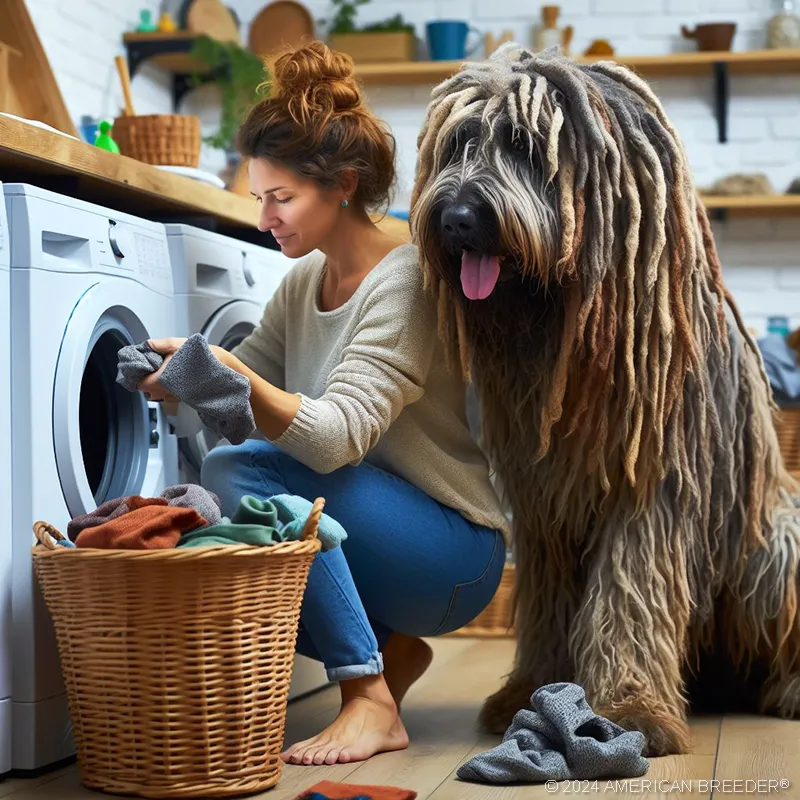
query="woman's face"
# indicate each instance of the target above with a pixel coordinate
(299, 213)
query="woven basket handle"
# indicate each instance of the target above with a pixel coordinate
(47, 535)
(312, 523)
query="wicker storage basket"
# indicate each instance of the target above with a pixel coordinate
(177, 662)
(495, 619)
(165, 139)
(787, 424)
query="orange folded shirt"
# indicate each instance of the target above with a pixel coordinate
(345, 791)
(151, 524)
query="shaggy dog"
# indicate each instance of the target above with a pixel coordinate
(625, 406)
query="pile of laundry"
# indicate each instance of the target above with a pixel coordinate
(190, 516)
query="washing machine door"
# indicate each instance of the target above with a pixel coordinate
(227, 328)
(106, 438)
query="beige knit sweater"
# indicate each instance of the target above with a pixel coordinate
(374, 384)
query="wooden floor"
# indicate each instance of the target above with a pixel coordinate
(440, 714)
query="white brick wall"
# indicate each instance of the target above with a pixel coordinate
(761, 258)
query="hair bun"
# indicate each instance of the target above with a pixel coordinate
(313, 80)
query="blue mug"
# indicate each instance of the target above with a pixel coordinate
(447, 40)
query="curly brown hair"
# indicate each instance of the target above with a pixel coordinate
(315, 121)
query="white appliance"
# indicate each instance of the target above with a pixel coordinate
(221, 288)
(85, 281)
(5, 494)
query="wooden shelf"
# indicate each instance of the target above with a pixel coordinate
(767, 205)
(719, 65)
(169, 51)
(71, 167)
(672, 64)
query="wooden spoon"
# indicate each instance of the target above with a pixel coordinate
(125, 80)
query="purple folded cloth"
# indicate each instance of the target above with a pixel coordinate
(186, 495)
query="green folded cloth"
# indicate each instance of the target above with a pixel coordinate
(265, 522)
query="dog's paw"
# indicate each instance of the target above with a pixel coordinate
(499, 709)
(665, 734)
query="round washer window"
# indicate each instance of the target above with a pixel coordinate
(101, 431)
(107, 414)
(235, 335)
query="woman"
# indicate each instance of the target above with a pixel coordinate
(350, 389)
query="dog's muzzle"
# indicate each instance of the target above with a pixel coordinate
(467, 234)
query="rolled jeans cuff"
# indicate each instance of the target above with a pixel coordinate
(373, 667)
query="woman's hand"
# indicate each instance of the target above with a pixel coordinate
(150, 385)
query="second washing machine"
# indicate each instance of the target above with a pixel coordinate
(221, 287)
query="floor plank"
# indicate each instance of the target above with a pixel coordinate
(756, 749)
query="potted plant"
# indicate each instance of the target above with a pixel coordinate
(390, 40)
(242, 79)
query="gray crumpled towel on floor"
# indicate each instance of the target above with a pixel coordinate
(559, 738)
(220, 395)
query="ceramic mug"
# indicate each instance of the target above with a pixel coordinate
(447, 40)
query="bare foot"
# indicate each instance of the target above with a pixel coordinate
(405, 659)
(368, 723)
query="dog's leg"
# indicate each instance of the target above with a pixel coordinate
(764, 619)
(546, 601)
(629, 637)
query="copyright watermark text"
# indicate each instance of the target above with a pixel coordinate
(666, 786)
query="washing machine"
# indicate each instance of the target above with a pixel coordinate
(221, 287)
(5, 495)
(85, 281)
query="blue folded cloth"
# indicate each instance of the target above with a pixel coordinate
(780, 364)
(293, 512)
(264, 522)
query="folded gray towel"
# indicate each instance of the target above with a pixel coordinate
(559, 738)
(190, 495)
(220, 395)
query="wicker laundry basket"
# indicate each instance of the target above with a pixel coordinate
(177, 662)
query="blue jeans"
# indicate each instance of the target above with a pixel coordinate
(409, 564)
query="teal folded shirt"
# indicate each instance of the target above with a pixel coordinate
(264, 522)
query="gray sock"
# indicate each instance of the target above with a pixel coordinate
(220, 395)
(559, 738)
(134, 363)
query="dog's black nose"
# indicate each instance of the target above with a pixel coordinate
(458, 219)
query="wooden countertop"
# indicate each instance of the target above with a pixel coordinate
(77, 169)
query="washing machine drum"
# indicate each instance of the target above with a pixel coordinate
(104, 435)
(227, 328)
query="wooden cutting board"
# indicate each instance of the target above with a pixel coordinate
(31, 90)
(279, 23)
(212, 18)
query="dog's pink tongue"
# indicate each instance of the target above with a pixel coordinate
(479, 274)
